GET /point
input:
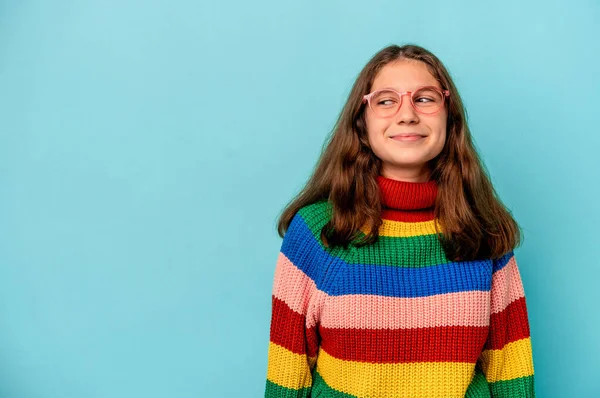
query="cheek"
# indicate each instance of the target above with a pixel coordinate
(443, 131)
(440, 141)
(438, 128)
(376, 127)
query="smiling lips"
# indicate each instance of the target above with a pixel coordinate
(407, 137)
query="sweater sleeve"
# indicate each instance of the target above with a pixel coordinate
(506, 359)
(294, 338)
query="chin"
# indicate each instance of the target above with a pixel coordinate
(406, 162)
(408, 156)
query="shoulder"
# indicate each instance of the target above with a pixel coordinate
(306, 225)
(502, 261)
(315, 215)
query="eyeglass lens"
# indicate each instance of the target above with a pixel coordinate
(385, 103)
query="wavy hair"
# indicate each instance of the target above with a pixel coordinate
(475, 223)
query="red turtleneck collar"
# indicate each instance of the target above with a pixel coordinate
(407, 201)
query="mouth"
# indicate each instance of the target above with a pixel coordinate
(407, 137)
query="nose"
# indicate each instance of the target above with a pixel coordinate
(406, 113)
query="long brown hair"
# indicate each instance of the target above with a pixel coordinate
(475, 223)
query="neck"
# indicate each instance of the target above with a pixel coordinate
(407, 201)
(420, 174)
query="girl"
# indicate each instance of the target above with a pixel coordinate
(396, 276)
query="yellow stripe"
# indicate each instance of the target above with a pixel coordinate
(405, 229)
(512, 361)
(415, 379)
(287, 368)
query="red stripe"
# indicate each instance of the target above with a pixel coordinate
(511, 324)
(288, 330)
(408, 215)
(436, 344)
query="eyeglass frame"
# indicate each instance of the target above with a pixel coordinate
(367, 98)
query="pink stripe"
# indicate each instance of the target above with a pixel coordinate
(506, 286)
(297, 290)
(362, 311)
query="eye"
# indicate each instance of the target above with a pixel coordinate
(425, 99)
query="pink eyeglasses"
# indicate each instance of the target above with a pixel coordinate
(426, 100)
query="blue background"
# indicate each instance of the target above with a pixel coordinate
(147, 148)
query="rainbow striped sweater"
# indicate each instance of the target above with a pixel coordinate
(395, 318)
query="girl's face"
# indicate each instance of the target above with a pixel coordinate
(404, 159)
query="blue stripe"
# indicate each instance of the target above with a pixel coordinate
(305, 252)
(413, 282)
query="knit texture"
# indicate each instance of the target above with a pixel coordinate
(395, 318)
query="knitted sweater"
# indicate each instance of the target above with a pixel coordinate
(395, 318)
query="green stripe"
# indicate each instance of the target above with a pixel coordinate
(322, 389)
(521, 387)
(276, 391)
(479, 387)
(408, 252)
(315, 216)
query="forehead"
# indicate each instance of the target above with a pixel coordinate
(404, 75)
